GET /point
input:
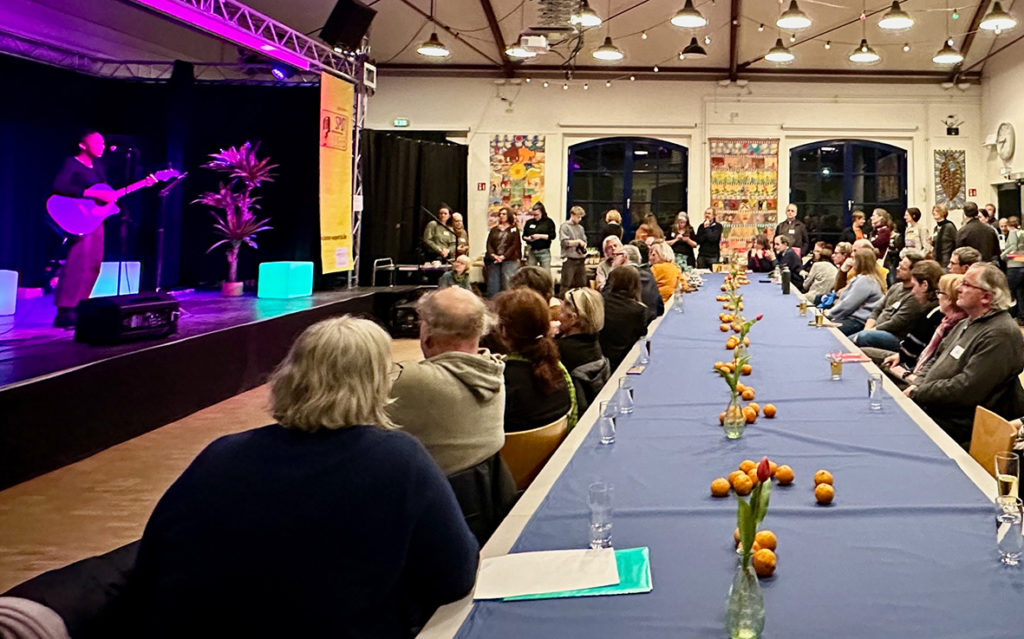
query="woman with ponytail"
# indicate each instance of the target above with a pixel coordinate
(538, 389)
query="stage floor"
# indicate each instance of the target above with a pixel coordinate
(30, 347)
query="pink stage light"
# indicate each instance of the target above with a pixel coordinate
(220, 27)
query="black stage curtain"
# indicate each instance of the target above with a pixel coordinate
(401, 175)
(180, 121)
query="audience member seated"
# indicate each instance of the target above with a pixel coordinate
(453, 401)
(941, 296)
(980, 361)
(760, 257)
(842, 257)
(328, 523)
(612, 224)
(458, 276)
(962, 259)
(666, 272)
(536, 279)
(787, 257)
(813, 256)
(863, 291)
(649, 293)
(822, 275)
(582, 318)
(611, 248)
(892, 318)
(625, 317)
(538, 388)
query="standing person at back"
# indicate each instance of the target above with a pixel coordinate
(709, 240)
(538, 233)
(573, 240)
(504, 251)
(795, 230)
(943, 236)
(977, 234)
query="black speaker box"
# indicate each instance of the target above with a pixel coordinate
(347, 24)
(125, 318)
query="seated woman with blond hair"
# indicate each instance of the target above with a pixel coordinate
(538, 388)
(666, 272)
(862, 292)
(329, 523)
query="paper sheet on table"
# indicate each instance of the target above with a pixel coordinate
(634, 577)
(528, 573)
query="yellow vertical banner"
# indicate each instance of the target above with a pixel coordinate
(336, 99)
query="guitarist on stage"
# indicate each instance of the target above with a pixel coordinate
(85, 253)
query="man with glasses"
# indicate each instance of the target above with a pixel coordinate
(980, 361)
(962, 259)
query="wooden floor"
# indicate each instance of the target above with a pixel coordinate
(103, 502)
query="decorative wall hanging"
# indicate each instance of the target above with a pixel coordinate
(950, 178)
(744, 188)
(517, 172)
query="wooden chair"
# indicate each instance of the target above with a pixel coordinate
(991, 434)
(525, 452)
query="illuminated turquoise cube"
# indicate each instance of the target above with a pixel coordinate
(8, 292)
(279, 280)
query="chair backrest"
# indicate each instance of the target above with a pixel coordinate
(991, 434)
(525, 452)
(486, 492)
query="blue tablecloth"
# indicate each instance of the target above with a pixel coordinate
(906, 550)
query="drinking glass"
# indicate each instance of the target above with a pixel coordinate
(835, 365)
(819, 318)
(645, 353)
(1008, 530)
(803, 308)
(627, 395)
(606, 422)
(875, 391)
(1007, 473)
(599, 499)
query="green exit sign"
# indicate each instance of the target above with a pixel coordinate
(401, 122)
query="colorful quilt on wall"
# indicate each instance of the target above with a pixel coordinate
(744, 188)
(951, 178)
(517, 172)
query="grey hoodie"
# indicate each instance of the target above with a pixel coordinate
(454, 403)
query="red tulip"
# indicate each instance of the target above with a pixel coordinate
(758, 318)
(764, 471)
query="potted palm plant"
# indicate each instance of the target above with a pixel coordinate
(237, 221)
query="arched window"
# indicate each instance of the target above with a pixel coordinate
(828, 180)
(637, 176)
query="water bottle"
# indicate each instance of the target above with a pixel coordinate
(786, 276)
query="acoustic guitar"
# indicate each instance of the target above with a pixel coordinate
(82, 215)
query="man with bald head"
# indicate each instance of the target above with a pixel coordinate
(453, 401)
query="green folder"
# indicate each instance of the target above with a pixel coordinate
(634, 566)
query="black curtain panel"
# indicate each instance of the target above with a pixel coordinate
(402, 175)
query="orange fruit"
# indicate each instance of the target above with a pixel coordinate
(743, 485)
(822, 477)
(750, 415)
(755, 406)
(720, 487)
(721, 418)
(752, 473)
(767, 539)
(772, 467)
(764, 562)
(736, 327)
(784, 474)
(769, 410)
(736, 535)
(746, 341)
(748, 393)
(824, 493)
(747, 368)
(740, 387)
(733, 475)
(724, 328)
(724, 287)
(747, 464)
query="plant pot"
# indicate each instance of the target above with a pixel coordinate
(744, 613)
(231, 289)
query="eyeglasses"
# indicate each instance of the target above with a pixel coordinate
(964, 282)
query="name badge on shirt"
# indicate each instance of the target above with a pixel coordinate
(792, 231)
(896, 305)
(956, 352)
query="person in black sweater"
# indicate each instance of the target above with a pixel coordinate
(538, 233)
(581, 316)
(709, 239)
(625, 317)
(326, 524)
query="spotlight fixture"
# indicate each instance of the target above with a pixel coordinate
(793, 19)
(864, 54)
(948, 55)
(998, 20)
(792, 37)
(643, 35)
(565, 86)
(779, 54)
(608, 51)
(586, 86)
(282, 72)
(433, 48)
(608, 83)
(906, 47)
(519, 52)
(828, 44)
(688, 17)
(760, 28)
(896, 19)
(586, 17)
(693, 50)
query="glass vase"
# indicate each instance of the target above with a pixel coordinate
(744, 613)
(740, 351)
(735, 421)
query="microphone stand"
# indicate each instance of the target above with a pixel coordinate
(162, 194)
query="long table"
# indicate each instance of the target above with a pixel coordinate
(907, 549)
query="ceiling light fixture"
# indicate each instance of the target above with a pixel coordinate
(779, 54)
(793, 19)
(586, 18)
(998, 20)
(519, 52)
(896, 19)
(864, 54)
(693, 50)
(906, 47)
(432, 48)
(608, 51)
(689, 18)
(948, 55)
